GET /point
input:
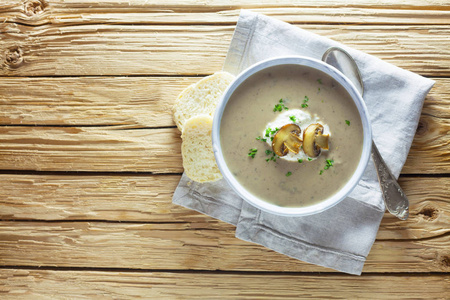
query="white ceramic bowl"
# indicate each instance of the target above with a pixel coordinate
(367, 137)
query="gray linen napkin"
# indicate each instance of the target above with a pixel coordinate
(340, 237)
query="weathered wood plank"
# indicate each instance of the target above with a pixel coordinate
(130, 50)
(183, 246)
(90, 149)
(113, 149)
(156, 12)
(139, 101)
(39, 284)
(431, 137)
(148, 198)
(144, 198)
(214, 4)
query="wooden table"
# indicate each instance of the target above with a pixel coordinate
(90, 156)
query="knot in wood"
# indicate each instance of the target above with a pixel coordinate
(429, 213)
(34, 7)
(445, 261)
(14, 56)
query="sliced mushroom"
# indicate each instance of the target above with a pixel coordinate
(287, 139)
(314, 140)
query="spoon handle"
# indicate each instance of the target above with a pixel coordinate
(395, 199)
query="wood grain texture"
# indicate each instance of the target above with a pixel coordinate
(148, 198)
(39, 12)
(88, 86)
(108, 149)
(137, 101)
(424, 155)
(190, 50)
(122, 149)
(32, 284)
(183, 246)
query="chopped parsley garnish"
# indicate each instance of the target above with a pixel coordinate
(293, 118)
(252, 152)
(288, 174)
(273, 131)
(270, 131)
(273, 157)
(329, 164)
(259, 138)
(304, 104)
(319, 81)
(347, 122)
(300, 160)
(309, 159)
(280, 106)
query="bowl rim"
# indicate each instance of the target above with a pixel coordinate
(363, 113)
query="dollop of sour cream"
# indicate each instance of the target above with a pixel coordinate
(294, 116)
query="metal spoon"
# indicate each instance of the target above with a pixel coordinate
(395, 199)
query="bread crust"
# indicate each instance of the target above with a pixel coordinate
(199, 162)
(200, 98)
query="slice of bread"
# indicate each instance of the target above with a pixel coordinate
(200, 97)
(198, 157)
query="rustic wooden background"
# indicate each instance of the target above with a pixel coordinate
(90, 156)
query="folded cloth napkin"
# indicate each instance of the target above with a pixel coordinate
(340, 237)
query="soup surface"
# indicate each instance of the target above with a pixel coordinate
(275, 180)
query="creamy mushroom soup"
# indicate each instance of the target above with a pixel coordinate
(247, 144)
